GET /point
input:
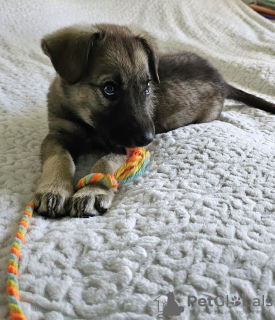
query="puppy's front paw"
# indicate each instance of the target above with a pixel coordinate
(92, 200)
(53, 201)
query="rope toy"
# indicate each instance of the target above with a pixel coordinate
(137, 163)
(135, 166)
(12, 286)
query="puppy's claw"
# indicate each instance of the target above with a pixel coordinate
(51, 204)
(102, 203)
(91, 201)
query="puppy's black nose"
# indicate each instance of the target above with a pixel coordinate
(142, 140)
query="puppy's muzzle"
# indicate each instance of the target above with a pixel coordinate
(143, 139)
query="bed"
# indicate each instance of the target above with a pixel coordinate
(199, 225)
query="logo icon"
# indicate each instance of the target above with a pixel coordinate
(236, 301)
(170, 308)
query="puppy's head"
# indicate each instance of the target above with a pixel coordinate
(108, 74)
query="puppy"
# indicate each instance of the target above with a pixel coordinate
(114, 92)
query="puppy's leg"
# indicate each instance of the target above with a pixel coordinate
(95, 199)
(55, 187)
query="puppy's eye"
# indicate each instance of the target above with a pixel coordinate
(109, 89)
(148, 88)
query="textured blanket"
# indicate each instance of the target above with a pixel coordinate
(194, 238)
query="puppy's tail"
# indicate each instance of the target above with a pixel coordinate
(248, 99)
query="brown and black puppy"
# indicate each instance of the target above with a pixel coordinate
(113, 92)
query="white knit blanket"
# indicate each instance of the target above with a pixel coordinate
(200, 224)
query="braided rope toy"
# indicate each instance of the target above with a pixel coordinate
(12, 286)
(134, 167)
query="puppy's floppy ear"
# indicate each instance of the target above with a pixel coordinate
(69, 50)
(150, 47)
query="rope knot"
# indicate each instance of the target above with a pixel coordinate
(137, 163)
